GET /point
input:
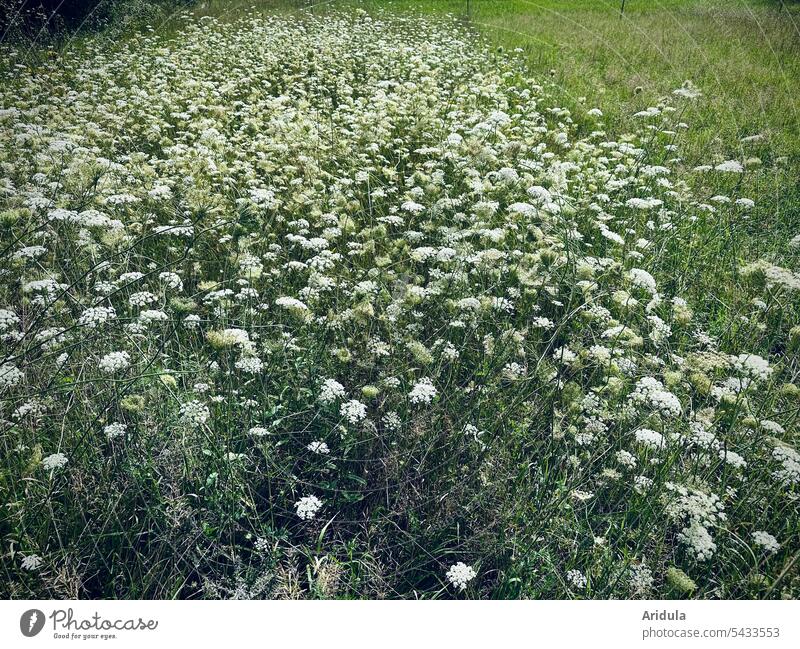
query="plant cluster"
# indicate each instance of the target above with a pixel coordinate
(350, 307)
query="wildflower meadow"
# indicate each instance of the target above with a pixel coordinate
(355, 302)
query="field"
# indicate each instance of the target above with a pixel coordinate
(403, 300)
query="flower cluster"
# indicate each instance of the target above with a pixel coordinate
(460, 574)
(307, 507)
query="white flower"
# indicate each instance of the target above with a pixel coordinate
(8, 319)
(115, 430)
(29, 252)
(292, 304)
(469, 304)
(790, 460)
(581, 496)
(650, 438)
(115, 362)
(733, 458)
(10, 375)
(153, 315)
(577, 579)
(698, 541)
(250, 365)
(413, 207)
(688, 91)
(392, 421)
(307, 507)
(766, 541)
(564, 355)
(642, 279)
(354, 411)
(644, 203)
(258, 431)
(171, 280)
(320, 448)
(331, 391)
(95, 316)
(651, 392)
(640, 579)
(642, 484)
(772, 427)
(54, 461)
(730, 166)
(753, 366)
(142, 298)
(460, 574)
(423, 392)
(263, 197)
(195, 413)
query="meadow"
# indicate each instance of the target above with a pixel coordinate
(403, 299)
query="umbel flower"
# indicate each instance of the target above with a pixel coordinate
(460, 574)
(115, 362)
(54, 461)
(307, 507)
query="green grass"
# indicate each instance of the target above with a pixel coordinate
(743, 54)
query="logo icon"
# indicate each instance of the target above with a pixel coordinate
(31, 622)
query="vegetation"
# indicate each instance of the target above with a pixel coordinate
(381, 299)
(41, 21)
